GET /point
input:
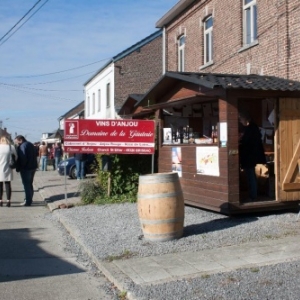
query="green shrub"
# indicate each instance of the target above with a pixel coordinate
(90, 190)
(120, 184)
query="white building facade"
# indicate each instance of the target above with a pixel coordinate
(99, 94)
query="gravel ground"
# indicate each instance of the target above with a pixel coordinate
(112, 230)
(278, 282)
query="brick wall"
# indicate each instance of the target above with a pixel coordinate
(139, 71)
(277, 52)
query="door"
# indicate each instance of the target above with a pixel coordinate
(288, 155)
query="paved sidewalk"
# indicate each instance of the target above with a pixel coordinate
(56, 189)
(170, 267)
(156, 269)
(37, 262)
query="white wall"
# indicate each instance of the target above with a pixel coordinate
(99, 82)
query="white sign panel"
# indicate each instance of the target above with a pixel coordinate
(207, 159)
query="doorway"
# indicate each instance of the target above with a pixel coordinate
(261, 111)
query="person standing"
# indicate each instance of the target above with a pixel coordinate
(80, 159)
(27, 166)
(58, 153)
(43, 154)
(37, 148)
(6, 173)
(251, 152)
(52, 151)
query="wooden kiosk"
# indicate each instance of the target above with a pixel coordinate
(198, 137)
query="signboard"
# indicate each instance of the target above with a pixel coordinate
(109, 136)
(207, 160)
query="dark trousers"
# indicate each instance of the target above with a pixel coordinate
(252, 182)
(27, 180)
(80, 165)
(7, 188)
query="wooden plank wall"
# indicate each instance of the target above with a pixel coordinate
(199, 190)
(229, 114)
(204, 191)
(288, 136)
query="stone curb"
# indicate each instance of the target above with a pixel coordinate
(111, 272)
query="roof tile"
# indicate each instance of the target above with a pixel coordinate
(239, 81)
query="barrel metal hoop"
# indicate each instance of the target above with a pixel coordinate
(166, 221)
(158, 179)
(161, 195)
(162, 237)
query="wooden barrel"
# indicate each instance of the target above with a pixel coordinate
(161, 206)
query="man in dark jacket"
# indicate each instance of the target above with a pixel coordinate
(27, 165)
(58, 154)
(251, 152)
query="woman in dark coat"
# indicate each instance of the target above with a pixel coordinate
(251, 152)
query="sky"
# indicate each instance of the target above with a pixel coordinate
(47, 57)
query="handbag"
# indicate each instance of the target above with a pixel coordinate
(13, 161)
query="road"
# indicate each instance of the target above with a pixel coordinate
(36, 260)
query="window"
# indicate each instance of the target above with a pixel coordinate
(208, 40)
(88, 106)
(93, 104)
(181, 46)
(99, 100)
(108, 95)
(250, 21)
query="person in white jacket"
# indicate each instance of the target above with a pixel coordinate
(6, 173)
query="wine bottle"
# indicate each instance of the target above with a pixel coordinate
(212, 134)
(216, 135)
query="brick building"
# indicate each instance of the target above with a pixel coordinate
(223, 57)
(229, 36)
(138, 69)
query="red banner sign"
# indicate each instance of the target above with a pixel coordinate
(109, 136)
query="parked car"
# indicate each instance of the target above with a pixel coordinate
(70, 166)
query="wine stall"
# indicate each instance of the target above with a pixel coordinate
(198, 134)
